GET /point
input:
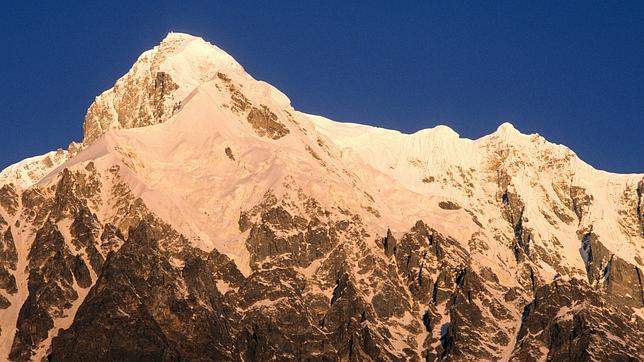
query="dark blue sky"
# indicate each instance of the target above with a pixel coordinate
(571, 71)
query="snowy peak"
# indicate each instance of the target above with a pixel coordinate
(506, 128)
(209, 192)
(191, 60)
(157, 84)
(508, 134)
(440, 131)
(175, 37)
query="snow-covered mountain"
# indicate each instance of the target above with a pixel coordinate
(203, 218)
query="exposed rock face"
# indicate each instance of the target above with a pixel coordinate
(266, 123)
(309, 239)
(620, 279)
(51, 290)
(159, 298)
(640, 205)
(64, 257)
(389, 244)
(156, 300)
(568, 321)
(513, 210)
(185, 305)
(128, 106)
(448, 205)
(580, 201)
(229, 153)
(8, 259)
(9, 198)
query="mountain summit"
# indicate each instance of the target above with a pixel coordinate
(203, 218)
(157, 83)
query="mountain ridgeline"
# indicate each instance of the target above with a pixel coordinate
(203, 218)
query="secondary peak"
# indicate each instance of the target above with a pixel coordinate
(507, 127)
